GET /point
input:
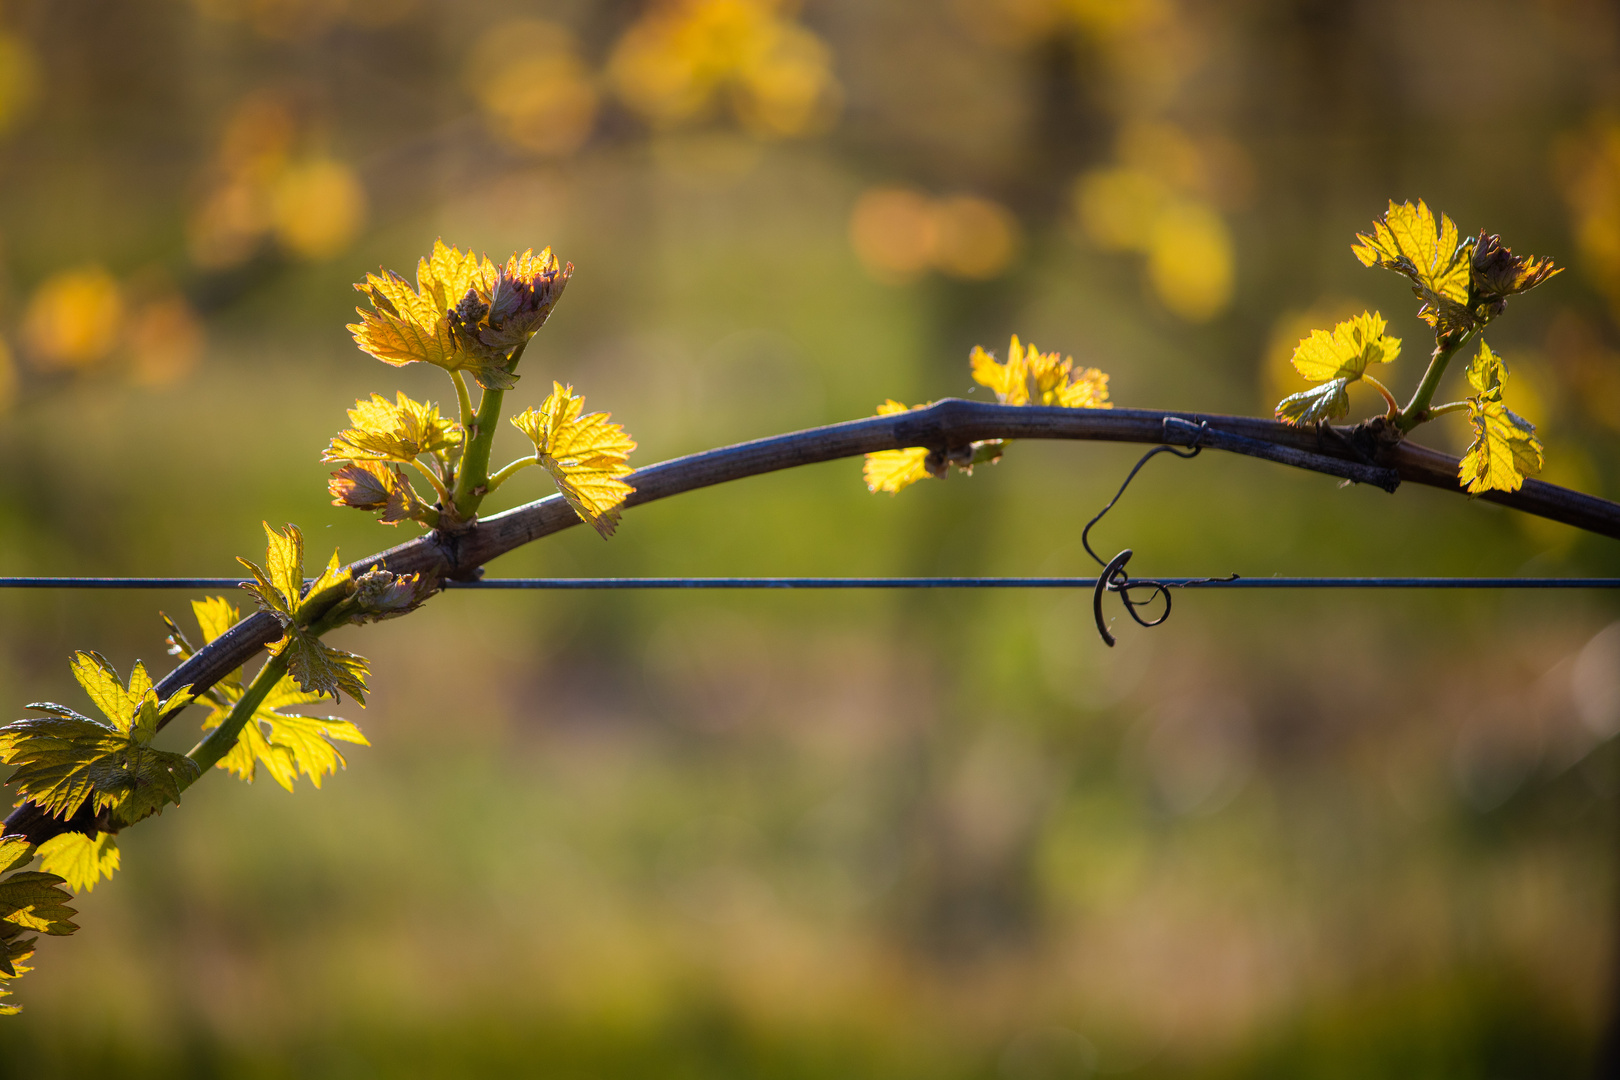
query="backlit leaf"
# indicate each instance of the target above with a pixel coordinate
(1409, 241)
(1497, 273)
(286, 743)
(1336, 360)
(465, 314)
(398, 431)
(894, 470)
(314, 665)
(1031, 377)
(587, 456)
(65, 759)
(1347, 351)
(319, 668)
(1325, 402)
(15, 851)
(80, 860)
(35, 901)
(1505, 448)
(374, 485)
(14, 949)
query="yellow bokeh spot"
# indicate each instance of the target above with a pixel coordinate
(900, 233)
(1119, 208)
(1590, 165)
(165, 341)
(895, 233)
(73, 319)
(228, 225)
(684, 57)
(1190, 261)
(536, 92)
(265, 186)
(318, 206)
(977, 238)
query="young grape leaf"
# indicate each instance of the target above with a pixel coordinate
(285, 744)
(65, 759)
(1032, 377)
(520, 301)
(80, 860)
(1407, 240)
(1505, 447)
(1496, 274)
(35, 901)
(1009, 381)
(1324, 402)
(465, 314)
(894, 470)
(1028, 377)
(1336, 360)
(14, 949)
(314, 665)
(373, 485)
(398, 431)
(15, 851)
(587, 456)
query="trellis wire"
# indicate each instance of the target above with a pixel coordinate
(1275, 582)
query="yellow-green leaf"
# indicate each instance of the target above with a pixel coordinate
(80, 860)
(587, 456)
(1009, 381)
(35, 901)
(1328, 401)
(1347, 351)
(1032, 377)
(1408, 240)
(399, 431)
(1486, 372)
(15, 851)
(465, 314)
(373, 485)
(894, 470)
(1505, 448)
(319, 668)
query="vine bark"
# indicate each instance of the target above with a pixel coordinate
(1364, 454)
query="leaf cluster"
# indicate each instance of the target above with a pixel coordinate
(31, 902)
(469, 316)
(65, 759)
(464, 313)
(286, 744)
(1028, 377)
(1463, 284)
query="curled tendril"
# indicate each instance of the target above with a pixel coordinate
(1113, 578)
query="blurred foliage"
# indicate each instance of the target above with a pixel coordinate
(888, 834)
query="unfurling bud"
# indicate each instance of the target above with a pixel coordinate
(1496, 274)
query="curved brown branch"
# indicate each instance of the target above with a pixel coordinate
(946, 425)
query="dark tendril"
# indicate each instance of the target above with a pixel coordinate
(1113, 577)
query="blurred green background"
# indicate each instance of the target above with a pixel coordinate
(842, 834)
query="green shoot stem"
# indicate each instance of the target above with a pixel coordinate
(438, 485)
(1417, 410)
(500, 477)
(1448, 407)
(1394, 406)
(218, 742)
(472, 481)
(463, 398)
